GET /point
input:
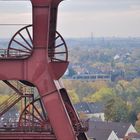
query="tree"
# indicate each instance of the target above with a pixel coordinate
(81, 88)
(136, 106)
(137, 124)
(116, 110)
(74, 97)
(134, 111)
(3, 98)
(136, 83)
(127, 91)
(104, 94)
(71, 72)
(97, 85)
(109, 110)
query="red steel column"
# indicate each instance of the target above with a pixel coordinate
(53, 23)
(43, 77)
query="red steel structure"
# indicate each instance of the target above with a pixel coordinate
(40, 61)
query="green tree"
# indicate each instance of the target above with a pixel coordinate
(74, 97)
(136, 105)
(137, 124)
(104, 94)
(81, 88)
(97, 85)
(71, 72)
(134, 111)
(116, 110)
(3, 98)
(136, 83)
(109, 110)
(127, 91)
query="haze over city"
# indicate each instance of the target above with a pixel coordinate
(79, 18)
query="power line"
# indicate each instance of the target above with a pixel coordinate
(14, 24)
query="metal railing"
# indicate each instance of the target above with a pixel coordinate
(4, 54)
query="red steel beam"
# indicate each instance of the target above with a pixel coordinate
(37, 70)
(26, 136)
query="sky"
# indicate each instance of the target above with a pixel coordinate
(83, 18)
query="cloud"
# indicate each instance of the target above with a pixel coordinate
(97, 5)
(15, 7)
(19, 18)
(78, 18)
(102, 17)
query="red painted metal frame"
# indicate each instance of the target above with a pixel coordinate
(57, 51)
(38, 70)
(25, 136)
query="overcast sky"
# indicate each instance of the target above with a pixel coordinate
(81, 18)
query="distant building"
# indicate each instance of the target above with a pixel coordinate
(133, 136)
(102, 134)
(93, 110)
(82, 107)
(92, 77)
(121, 129)
(116, 57)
